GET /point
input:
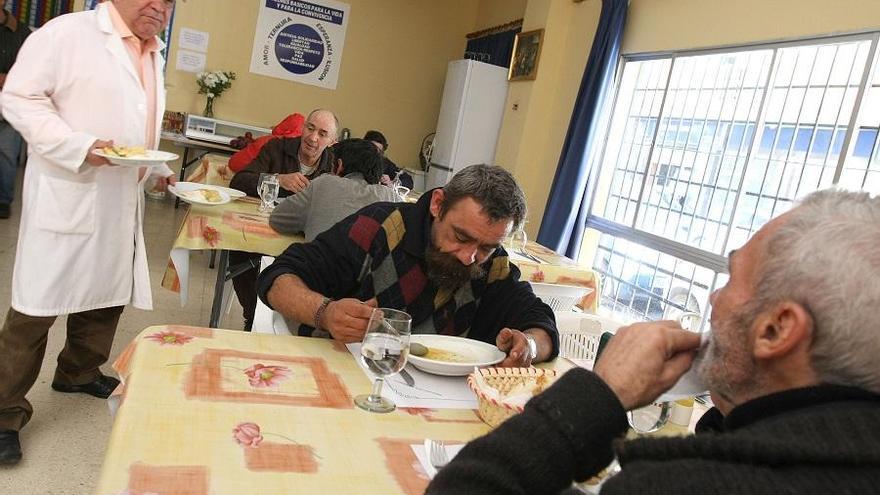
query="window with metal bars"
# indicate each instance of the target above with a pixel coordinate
(704, 147)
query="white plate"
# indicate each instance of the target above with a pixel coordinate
(233, 193)
(189, 192)
(149, 158)
(477, 353)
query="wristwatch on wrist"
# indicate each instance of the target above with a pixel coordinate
(533, 346)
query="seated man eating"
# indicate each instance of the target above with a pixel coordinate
(791, 365)
(440, 260)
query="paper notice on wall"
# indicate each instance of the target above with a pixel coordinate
(190, 39)
(190, 61)
(300, 41)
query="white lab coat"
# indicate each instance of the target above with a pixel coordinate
(81, 241)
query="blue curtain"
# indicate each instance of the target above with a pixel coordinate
(494, 49)
(565, 216)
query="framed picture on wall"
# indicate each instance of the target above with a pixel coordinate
(526, 53)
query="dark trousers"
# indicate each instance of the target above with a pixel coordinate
(23, 345)
(245, 285)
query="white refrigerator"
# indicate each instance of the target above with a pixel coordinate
(470, 119)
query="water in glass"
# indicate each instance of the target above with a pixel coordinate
(268, 190)
(653, 417)
(384, 350)
(384, 354)
(518, 240)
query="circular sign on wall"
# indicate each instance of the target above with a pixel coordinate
(300, 40)
(299, 49)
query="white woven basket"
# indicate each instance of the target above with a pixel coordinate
(504, 380)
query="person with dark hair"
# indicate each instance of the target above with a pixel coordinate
(330, 198)
(12, 36)
(389, 169)
(440, 260)
(377, 138)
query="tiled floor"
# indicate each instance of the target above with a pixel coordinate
(64, 442)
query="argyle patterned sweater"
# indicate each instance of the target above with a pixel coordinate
(379, 252)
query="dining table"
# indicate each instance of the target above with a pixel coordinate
(204, 410)
(234, 226)
(210, 411)
(238, 225)
(540, 264)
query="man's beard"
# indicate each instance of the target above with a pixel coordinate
(727, 367)
(446, 272)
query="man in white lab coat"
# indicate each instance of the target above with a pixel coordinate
(81, 82)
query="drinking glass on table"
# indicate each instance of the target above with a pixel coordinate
(519, 239)
(398, 186)
(653, 417)
(384, 351)
(268, 190)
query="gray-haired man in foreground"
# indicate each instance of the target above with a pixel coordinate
(791, 365)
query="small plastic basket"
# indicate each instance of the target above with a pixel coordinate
(579, 335)
(493, 412)
(560, 297)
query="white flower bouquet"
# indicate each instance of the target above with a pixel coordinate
(214, 83)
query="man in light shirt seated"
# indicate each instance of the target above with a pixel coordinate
(791, 365)
(330, 198)
(296, 161)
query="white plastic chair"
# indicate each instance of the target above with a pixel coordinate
(266, 320)
(559, 297)
(579, 335)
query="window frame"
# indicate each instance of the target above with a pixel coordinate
(692, 254)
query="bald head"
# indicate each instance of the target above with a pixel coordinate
(321, 130)
(325, 114)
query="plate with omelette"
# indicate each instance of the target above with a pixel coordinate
(200, 194)
(453, 356)
(135, 156)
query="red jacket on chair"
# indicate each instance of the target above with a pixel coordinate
(291, 126)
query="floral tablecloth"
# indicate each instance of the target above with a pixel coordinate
(226, 412)
(554, 268)
(212, 169)
(239, 226)
(234, 226)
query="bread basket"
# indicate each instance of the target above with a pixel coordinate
(492, 408)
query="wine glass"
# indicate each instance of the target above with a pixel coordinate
(268, 190)
(519, 239)
(402, 191)
(653, 417)
(650, 418)
(398, 186)
(384, 351)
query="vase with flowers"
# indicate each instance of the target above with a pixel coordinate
(213, 84)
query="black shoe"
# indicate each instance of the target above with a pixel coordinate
(10, 447)
(5, 211)
(100, 388)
